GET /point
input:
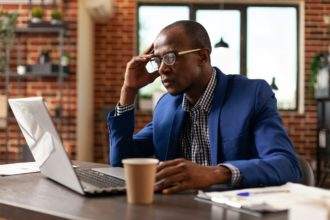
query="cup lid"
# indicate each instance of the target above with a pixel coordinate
(140, 161)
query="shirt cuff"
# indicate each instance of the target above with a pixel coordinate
(121, 109)
(235, 173)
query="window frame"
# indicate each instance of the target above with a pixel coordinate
(242, 7)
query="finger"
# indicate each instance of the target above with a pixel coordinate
(155, 74)
(158, 186)
(174, 189)
(169, 163)
(139, 60)
(147, 56)
(169, 171)
(149, 49)
(171, 181)
(142, 59)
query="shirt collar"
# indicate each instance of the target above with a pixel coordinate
(204, 102)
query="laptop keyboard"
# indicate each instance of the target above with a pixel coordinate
(98, 179)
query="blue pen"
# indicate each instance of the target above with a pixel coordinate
(245, 193)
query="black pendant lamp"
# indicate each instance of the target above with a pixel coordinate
(221, 43)
(273, 85)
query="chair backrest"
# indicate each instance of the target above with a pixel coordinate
(307, 172)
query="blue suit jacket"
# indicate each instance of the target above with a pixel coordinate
(245, 130)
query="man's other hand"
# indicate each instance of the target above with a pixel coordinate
(181, 174)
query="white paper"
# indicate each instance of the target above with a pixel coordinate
(18, 168)
(278, 197)
(309, 210)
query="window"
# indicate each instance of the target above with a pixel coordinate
(263, 41)
(227, 27)
(272, 50)
(149, 28)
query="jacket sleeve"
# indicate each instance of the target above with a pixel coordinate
(123, 144)
(276, 163)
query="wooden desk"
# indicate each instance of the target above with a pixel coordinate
(32, 196)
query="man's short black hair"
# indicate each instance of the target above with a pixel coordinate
(197, 34)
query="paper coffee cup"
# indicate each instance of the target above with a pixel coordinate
(140, 176)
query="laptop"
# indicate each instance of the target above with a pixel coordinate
(48, 151)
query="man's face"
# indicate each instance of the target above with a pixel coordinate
(184, 73)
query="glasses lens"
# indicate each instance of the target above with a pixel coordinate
(152, 65)
(157, 61)
(169, 58)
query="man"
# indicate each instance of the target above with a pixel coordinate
(209, 128)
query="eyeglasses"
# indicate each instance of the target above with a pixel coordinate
(168, 58)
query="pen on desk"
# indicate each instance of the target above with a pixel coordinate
(247, 193)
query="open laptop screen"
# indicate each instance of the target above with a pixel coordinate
(36, 126)
(43, 140)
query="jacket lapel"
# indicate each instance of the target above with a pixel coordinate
(214, 116)
(173, 148)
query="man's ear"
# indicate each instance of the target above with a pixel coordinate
(204, 56)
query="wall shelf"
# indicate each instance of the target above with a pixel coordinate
(55, 74)
(39, 30)
(33, 76)
(45, 29)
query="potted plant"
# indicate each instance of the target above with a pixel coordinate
(315, 66)
(320, 70)
(44, 56)
(7, 34)
(64, 62)
(65, 59)
(37, 13)
(56, 17)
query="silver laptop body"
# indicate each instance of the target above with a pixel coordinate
(46, 146)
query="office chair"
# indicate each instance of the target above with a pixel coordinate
(308, 178)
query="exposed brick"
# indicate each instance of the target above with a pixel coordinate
(114, 46)
(30, 46)
(301, 128)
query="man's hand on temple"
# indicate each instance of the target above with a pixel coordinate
(136, 77)
(181, 174)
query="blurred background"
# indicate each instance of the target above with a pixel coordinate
(74, 54)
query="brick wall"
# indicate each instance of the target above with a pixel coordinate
(115, 44)
(58, 95)
(301, 128)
